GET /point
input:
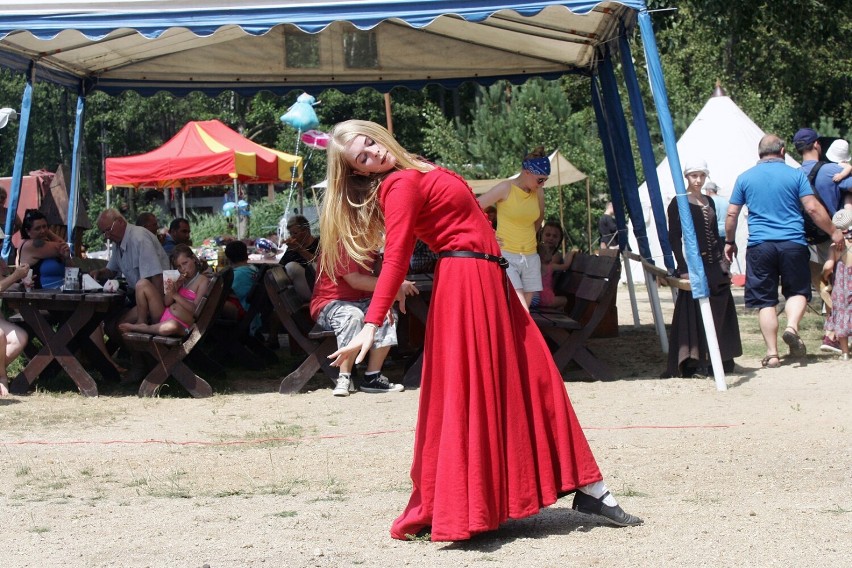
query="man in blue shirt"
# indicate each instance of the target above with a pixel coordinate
(834, 196)
(777, 250)
(179, 233)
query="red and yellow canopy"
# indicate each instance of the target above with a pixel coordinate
(203, 153)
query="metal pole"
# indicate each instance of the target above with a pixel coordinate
(18, 168)
(589, 212)
(654, 298)
(388, 112)
(74, 189)
(631, 290)
(713, 344)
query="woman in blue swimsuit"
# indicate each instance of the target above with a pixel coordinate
(45, 252)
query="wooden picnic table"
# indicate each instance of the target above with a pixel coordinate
(77, 315)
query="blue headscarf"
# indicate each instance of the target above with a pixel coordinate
(537, 166)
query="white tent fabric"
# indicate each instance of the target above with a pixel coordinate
(562, 172)
(726, 138)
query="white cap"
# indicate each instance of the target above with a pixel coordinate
(838, 151)
(693, 165)
(710, 186)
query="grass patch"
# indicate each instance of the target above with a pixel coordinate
(39, 529)
(630, 492)
(273, 434)
(26, 420)
(284, 514)
(810, 330)
(170, 485)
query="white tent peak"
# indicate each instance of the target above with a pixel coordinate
(718, 91)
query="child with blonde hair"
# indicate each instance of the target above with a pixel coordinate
(839, 264)
(838, 153)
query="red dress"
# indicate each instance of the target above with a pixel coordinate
(496, 435)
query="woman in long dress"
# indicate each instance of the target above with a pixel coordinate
(688, 352)
(496, 435)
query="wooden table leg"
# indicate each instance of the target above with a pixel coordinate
(56, 349)
(293, 383)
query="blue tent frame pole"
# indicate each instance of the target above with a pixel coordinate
(74, 189)
(646, 152)
(697, 277)
(612, 173)
(617, 125)
(18, 170)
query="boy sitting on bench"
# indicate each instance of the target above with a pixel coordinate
(338, 304)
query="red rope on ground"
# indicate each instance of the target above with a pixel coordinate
(306, 438)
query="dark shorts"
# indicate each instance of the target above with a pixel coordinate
(771, 262)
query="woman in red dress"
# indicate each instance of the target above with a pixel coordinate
(496, 435)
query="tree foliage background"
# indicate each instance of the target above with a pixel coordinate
(786, 65)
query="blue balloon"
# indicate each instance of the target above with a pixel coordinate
(228, 208)
(301, 115)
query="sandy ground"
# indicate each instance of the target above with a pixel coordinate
(755, 476)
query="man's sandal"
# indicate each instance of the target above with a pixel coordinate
(792, 339)
(771, 362)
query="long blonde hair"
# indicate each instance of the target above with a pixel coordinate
(350, 217)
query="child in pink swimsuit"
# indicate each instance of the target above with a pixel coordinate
(180, 298)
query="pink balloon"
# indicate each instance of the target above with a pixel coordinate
(316, 139)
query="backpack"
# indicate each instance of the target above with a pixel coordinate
(813, 234)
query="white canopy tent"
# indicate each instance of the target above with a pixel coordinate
(726, 138)
(184, 46)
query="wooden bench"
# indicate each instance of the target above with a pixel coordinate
(593, 296)
(169, 352)
(296, 319)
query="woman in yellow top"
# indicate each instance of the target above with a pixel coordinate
(520, 211)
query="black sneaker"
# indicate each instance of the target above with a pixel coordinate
(380, 384)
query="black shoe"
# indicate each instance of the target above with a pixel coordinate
(615, 515)
(380, 384)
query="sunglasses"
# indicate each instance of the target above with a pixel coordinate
(540, 181)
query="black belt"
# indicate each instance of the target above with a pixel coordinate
(480, 255)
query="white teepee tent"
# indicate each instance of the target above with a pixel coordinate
(726, 138)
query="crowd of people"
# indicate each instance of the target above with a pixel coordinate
(496, 434)
(798, 233)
